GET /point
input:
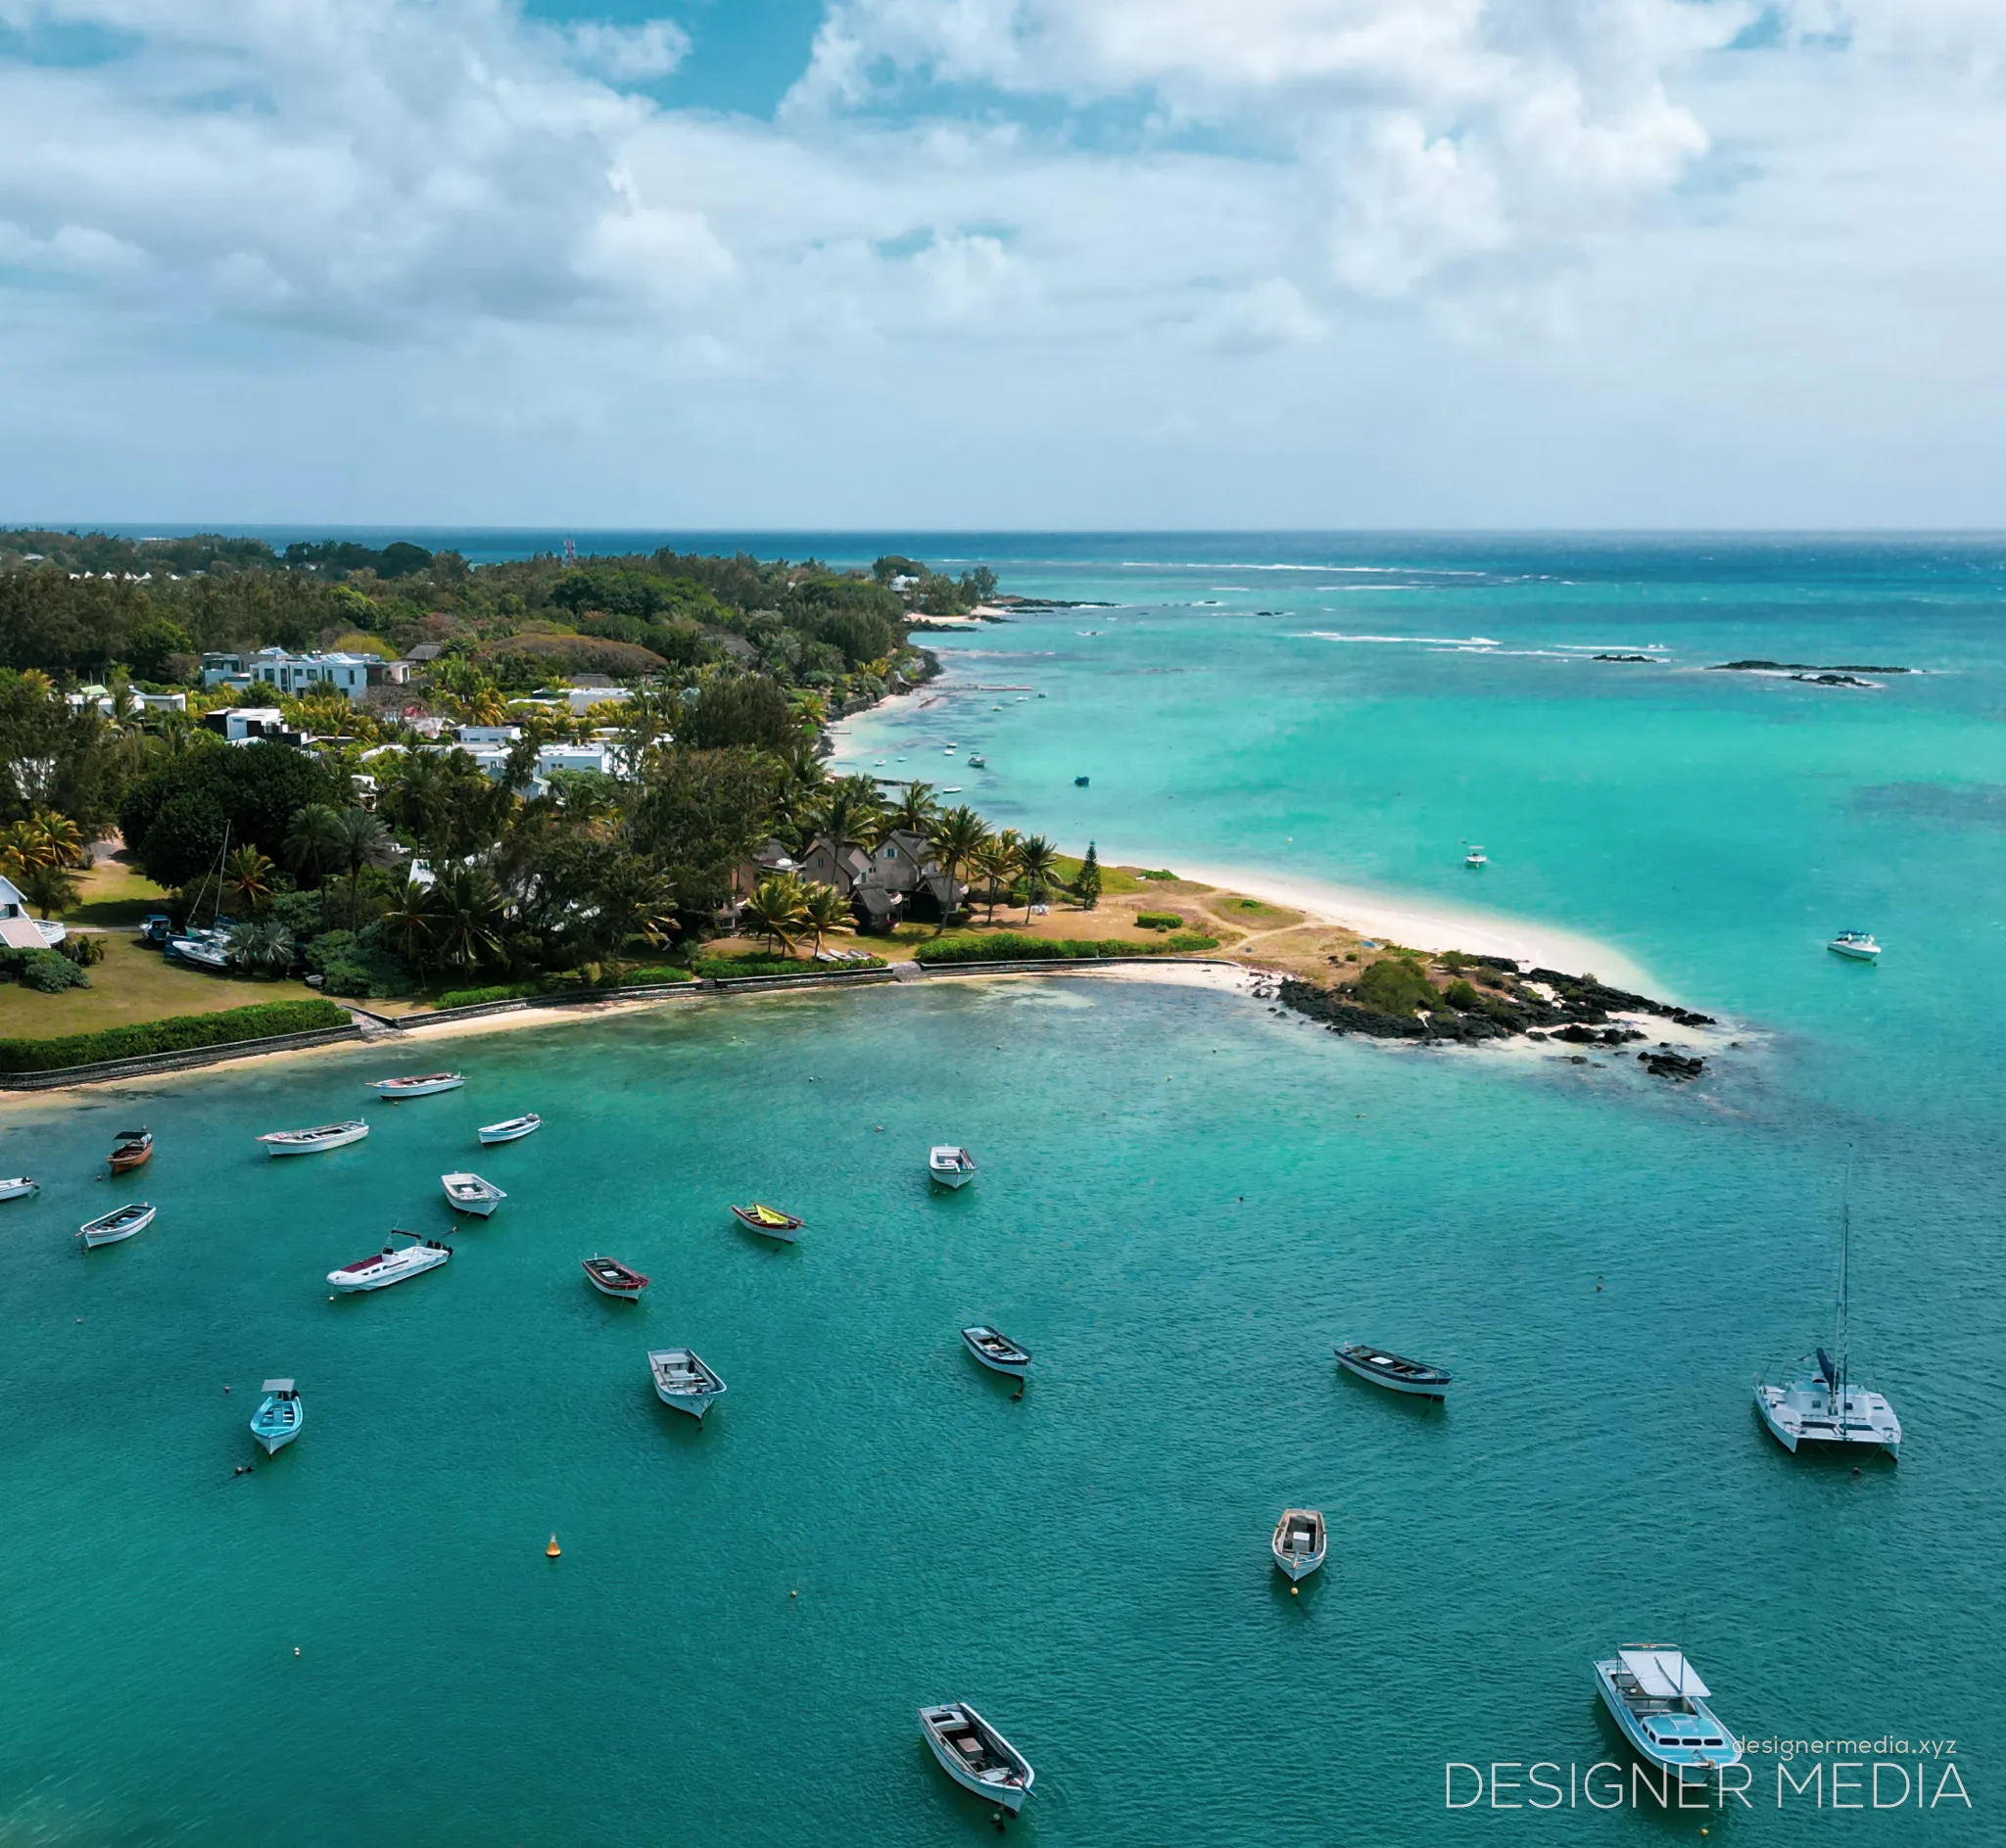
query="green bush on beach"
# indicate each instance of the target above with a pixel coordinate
(754, 964)
(480, 997)
(1009, 946)
(180, 1033)
(1159, 920)
(1398, 985)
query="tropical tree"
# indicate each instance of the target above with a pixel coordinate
(464, 909)
(629, 898)
(824, 908)
(996, 860)
(1037, 867)
(958, 836)
(246, 879)
(48, 888)
(361, 839)
(914, 810)
(1087, 886)
(849, 815)
(60, 839)
(777, 910)
(314, 842)
(262, 946)
(408, 923)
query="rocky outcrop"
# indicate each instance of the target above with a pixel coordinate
(1673, 1065)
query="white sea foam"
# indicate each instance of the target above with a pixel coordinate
(1418, 641)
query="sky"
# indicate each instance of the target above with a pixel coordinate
(1004, 264)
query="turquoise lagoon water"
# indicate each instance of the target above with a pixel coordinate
(1184, 1201)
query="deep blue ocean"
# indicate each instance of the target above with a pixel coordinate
(1185, 1200)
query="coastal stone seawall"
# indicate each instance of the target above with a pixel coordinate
(153, 1063)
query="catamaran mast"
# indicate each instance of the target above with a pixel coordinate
(1845, 1226)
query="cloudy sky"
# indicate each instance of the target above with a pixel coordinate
(1004, 263)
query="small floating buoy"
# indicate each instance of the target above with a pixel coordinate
(226, 1389)
(794, 1594)
(553, 1550)
(295, 1650)
(1295, 1590)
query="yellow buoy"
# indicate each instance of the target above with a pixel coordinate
(1295, 1590)
(553, 1550)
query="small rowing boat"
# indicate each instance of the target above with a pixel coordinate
(426, 1086)
(114, 1227)
(683, 1381)
(995, 1349)
(976, 1756)
(468, 1193)
(768, 1220)
(1299, 1541)
(612, 1278)
(950, 1166)
(133, 1148)
(20, 1186)
(511, 1129)
(281, 1417)
(314, 1141)
(1393, 1371)
(392, 1264)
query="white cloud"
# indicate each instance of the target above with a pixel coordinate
(652, 49)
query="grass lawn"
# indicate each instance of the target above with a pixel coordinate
(129, 985)
(114, 892)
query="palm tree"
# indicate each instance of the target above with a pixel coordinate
(958, 836)
(915, 808)
(313, 843)
(824, 910)
(1037, 867)
(408, 923)
(62, 840)
(996, 861)
(266, 946)
(247, 877)
(360, 839)
(421, 799)
(776, 909)
(464, 908)
(850, 814)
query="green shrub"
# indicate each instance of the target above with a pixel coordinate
(1190, 943)
(176, 1034)
(1461, 994)
(1162, 873)
(754, 964)
(478, 997)
(1398, 985)
(358, 966)
(85, 948)
(1159, 920)
(654, 976)
(1009, 946)
(46, 972)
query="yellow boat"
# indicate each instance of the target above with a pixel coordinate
(768, 1220)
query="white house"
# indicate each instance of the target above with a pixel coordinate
(19, 929)
(160, 703)
(488, 734)
(246, 725)
(350, 674)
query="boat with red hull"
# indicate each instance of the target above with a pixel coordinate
(614, 1279)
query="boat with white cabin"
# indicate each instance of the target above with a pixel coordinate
(314, 1141)
(510, 1129)
(950, 1166)
(1658, 1701)
(1820, 1403)
(280, 1418)
(1393, 1371)
(205, 949)
(468, 1193)
(976, 1756)
(996, 1351)
(1476, 857)
(683, 1381)
(427, 1084)
(612, 1278)
(392, 1264)
(20, 1186)
(110, 1228)
(1858, 944)
(1298, 1543)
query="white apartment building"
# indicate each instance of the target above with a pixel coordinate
(351, 675)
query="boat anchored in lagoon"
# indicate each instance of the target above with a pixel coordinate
(281, 1418)
(683, 1381)
(996, 1351)
(113, 1227)
(950, 1166)
(769, 1222)
(428, 1084)
(612, 1278)
(1298, 1543)
(1658, 1701)
(314, 1141)
(392, 1264)
(468, 1193)
(1393, 1371)
(511, 1129)
(20, 1186)
(133, 1148)
(976, 1756)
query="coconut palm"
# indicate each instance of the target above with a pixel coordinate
(849, 815)
(314, 842)
(246, 879)
(958, 836)
(62, 840)
(996, 860)
(1037, 866)
(914, 810)
(262, 946)
(466, 912)
(360, 840)
(777, 910)
(823, 909)
(408, 923)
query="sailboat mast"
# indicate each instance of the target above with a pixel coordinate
(1846, 1228)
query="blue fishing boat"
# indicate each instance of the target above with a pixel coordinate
(1657, 1697)
(280, 1418)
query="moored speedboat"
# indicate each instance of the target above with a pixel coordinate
(950, 1166)
(995, 1349)
(1393, 1371)
(20, 1186)
(1298, 1543)
(392, 1264)
(1858, 944)
(683, 1381)
(769, 1222)
(511, 1129)
(976, 1756)
(425, 1085)
(314, 1141)
(280, 1418)
(468, 1193)
(614, 1279)
(1476, 857)
(1655, 1696)
(114, 1227)
(133, 1148)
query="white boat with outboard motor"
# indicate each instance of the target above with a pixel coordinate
(1858, 944)
(511, 1129)
(392, 1264)
(976, 1756)
(683, 1381)
(1393, 1371)
(1820, 1403)
(1658, 1701)
(1476, 857)
(314, 1141)
(111, 1227)
(20, 1186)
(1300, 1539)
(280, 1418)
(950, 1166)
(996, 1351)
(426, 1084)
(468, 1193)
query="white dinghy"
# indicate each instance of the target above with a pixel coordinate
(314, 1141)
(950, 1166)
(511, 1129)
(468, 1193)
(427, 1084)
(976, 1756)
(20, 1186)
(996, 1351)
(114, 1227)
(1298, 1543)
(392, 1264)
(683, 1381)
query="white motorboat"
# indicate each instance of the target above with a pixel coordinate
(683, 1381)
(1476, 857)
(280, 1418)
(976, 1756)
(950, 1166)
(206, 949)
(1858, 944)
(313, 1140)
(1657, 1697)
(512, 1130)
(1393, 1371)
(995, 1349)
(1821, 1403)
(392, 1264)
(468, 1193)
(427, 1085)
(1298, 1543)
(114, 1227)
(20, 1186)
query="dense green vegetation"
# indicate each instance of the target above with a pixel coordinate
(178, 1034)
(1009, 946)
